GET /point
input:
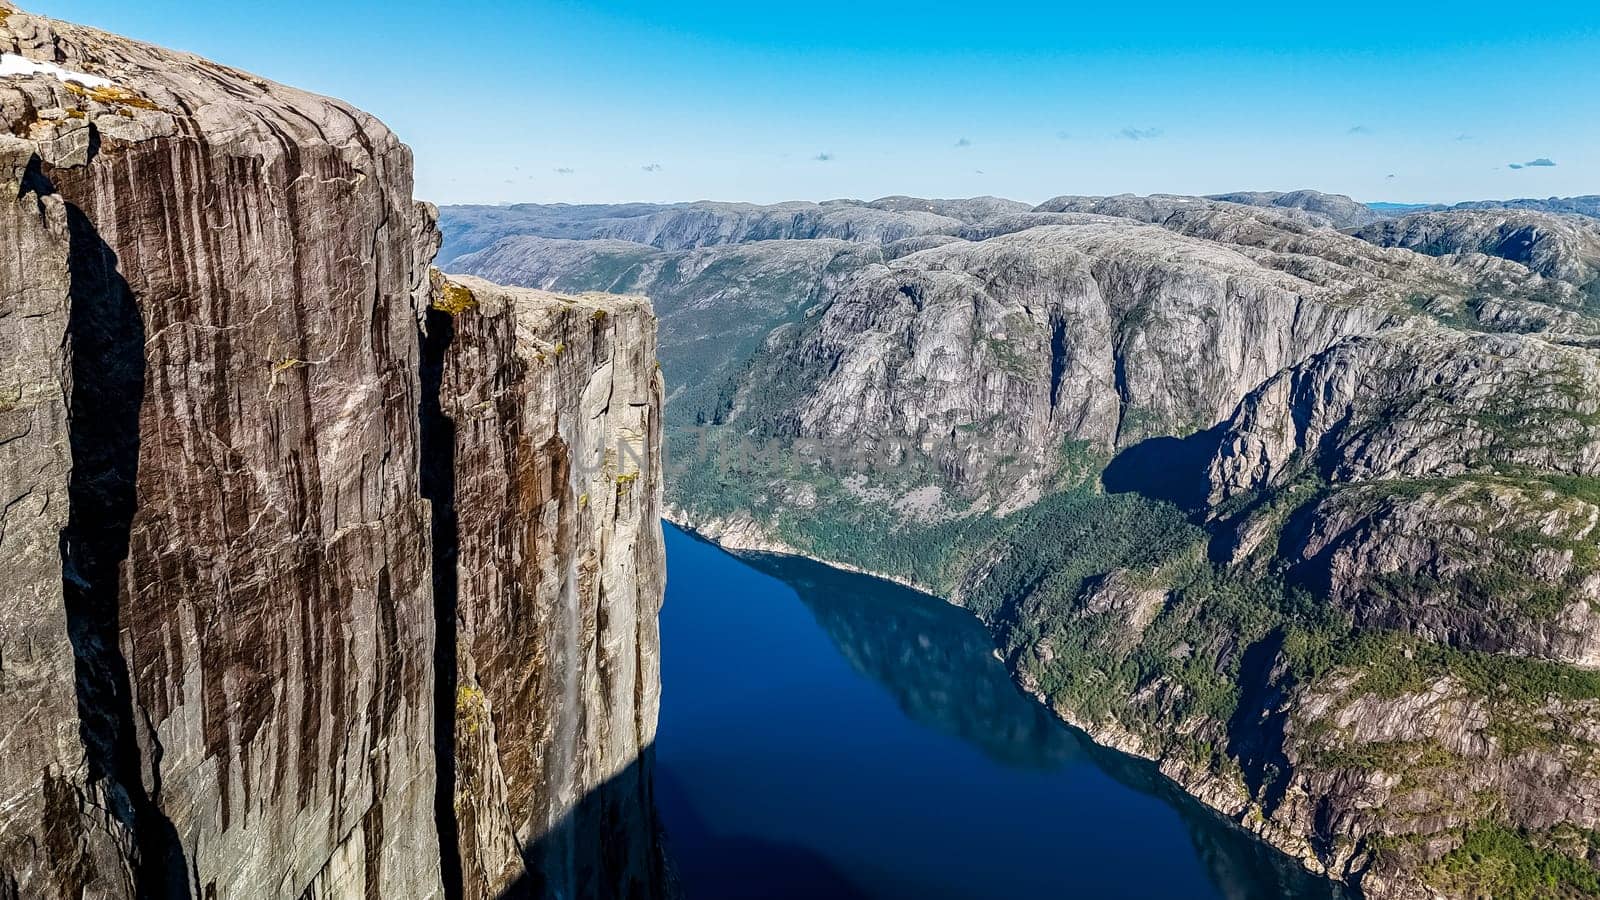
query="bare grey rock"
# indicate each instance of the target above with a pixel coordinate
(1337, 210)
(1415, 402)
(53, 839)
(969, 209)
(1099, 333)
(705, 224)
(1566, 248)
(1157, 208)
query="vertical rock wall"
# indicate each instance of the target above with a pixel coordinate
(52, 841)
(553, 402)
(242, 565)
(222, 588)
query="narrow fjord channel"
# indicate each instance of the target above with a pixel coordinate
(829, 735)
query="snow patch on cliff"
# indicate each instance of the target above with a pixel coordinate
(12, 65)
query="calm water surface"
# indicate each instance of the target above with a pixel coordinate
(826, 735)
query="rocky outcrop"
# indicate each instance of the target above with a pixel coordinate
(1503, 565)
(717, 304)
(1417, 402)
(218, 642)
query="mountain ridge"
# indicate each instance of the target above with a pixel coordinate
(472, 227)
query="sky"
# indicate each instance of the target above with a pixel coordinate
(765, 101)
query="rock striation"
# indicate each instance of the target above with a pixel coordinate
(226, 599)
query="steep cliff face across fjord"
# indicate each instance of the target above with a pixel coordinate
(1308, 519)
(245, 648)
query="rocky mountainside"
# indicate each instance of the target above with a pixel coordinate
(254, 453)
(1587, 205)
(1563, 247)
(688, 225)
(1310, 520)
(681, 226)
(1335, 209)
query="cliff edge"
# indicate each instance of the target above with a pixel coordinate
(232, 602)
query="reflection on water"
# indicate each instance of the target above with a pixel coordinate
(936, 661)
(786, 773)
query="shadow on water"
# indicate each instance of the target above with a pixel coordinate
(1166, 468)
(938, 662)
(607, 847)
(784, 871)
(105, 335)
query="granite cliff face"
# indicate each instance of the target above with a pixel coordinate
(1307, 517)
(222, 630)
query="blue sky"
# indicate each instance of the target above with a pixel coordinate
(764, 101)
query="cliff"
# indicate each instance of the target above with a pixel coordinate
(554, 526)
(1307, 519)
(227, 600)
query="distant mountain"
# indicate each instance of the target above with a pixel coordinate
(1562, 247)
(1339, 210)
(685, 226)
(1588, 205)
(1396, 209)
(972, 209)
(469, 228)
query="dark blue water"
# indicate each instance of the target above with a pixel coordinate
(829, 735)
